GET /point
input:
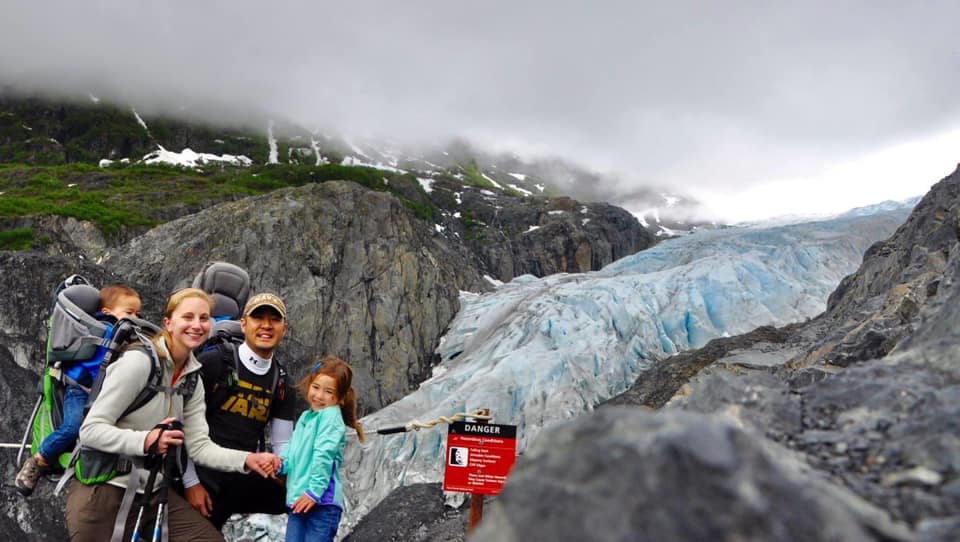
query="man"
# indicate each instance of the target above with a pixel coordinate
(245, 388)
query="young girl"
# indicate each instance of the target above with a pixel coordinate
(312, 458)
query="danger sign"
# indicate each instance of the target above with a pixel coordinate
(479, 457)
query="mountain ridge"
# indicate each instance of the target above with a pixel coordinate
(43, 131)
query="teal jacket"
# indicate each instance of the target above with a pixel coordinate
(313, 456)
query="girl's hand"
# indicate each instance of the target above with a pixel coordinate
(302, 505)
(265, 464)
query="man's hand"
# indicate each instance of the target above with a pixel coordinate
(302, 504)
(198, 498)
(265, 464)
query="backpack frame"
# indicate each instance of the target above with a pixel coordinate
(74, 335)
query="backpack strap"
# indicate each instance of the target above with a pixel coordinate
(277, 387)
(126, 504)
(154, 380)
(155, 385)
(279, 382)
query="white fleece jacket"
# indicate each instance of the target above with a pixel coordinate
(124, 379)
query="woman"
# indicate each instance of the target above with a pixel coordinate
(93, 507)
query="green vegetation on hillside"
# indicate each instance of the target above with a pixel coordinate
(123, 196)
(16, 239)
(473, 175)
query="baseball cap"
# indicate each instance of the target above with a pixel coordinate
(265, 299)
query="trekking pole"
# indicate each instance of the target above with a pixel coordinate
(169, 472)
(145, 498)
(168, 462)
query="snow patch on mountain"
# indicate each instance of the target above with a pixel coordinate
(189, 158)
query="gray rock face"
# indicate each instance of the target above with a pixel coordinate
(63, 236)
(513, 235)
(31, 278)
(883, 428)
(876, 307)
(362, 279)
(640, 476)
(414, 513)
(664, 380)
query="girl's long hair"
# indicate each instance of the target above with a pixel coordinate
(343, 376)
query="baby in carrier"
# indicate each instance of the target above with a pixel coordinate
(116, 301)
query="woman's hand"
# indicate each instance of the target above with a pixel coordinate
(167, 438)
(265, 464)
(199, 499)
(302, 505)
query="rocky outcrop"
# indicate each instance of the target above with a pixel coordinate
(678, 476)
(664, 381)
(62, 236)
(878, 306)
(414, 513)
(513, 235)
(362, 278)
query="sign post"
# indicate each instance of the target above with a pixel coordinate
(478, 459)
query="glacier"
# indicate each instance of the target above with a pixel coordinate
(538, 351)
(541, 350)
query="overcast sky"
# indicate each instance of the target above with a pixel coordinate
(757, 108)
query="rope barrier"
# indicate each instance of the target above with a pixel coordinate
(415, 425)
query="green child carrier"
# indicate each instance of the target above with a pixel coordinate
(74, 335)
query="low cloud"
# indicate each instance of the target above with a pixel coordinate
(697, 98)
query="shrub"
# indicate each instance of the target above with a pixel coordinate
(17, 239)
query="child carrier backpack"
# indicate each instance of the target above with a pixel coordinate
(75, 338)
(74, 335)
(229, 286)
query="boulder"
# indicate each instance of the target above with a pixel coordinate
(625, 474)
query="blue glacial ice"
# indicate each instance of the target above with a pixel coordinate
(538, 351)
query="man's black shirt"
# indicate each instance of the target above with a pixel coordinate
(240, 403)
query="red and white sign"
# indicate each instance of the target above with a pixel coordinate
(479, 457)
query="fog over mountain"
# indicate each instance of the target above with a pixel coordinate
(753, 108)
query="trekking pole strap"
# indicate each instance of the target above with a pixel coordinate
(126, 504)
(415, 425)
